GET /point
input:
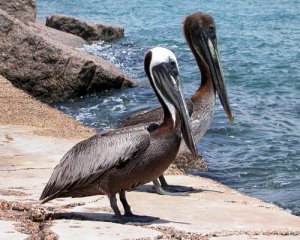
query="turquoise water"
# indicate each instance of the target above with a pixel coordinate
(259, 44)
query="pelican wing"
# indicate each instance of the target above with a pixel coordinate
(88, 159)
(151, 115)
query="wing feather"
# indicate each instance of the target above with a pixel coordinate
(90, 158)
(151, 115)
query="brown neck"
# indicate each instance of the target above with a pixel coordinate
(167, 125)
(206, 84)
(168, 120)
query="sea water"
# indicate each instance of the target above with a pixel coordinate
(259, 43)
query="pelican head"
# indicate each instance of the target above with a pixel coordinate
(162, 70)
(200, 33)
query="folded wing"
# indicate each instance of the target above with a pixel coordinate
(87, 160)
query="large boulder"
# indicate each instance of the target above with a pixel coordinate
(48, 69)
(24, 10)
(88, 31)
(58, 36)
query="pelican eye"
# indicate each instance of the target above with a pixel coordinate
(172, 62)
(174, 69)
(212, 31)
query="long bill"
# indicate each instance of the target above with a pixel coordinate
(208, 48)
(168, 85)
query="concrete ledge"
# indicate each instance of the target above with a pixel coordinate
(213, 211)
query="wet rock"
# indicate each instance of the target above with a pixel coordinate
(24, 10)
(48, 69)
(88, 31)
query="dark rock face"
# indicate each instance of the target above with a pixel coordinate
(48, 69)
(88, 31)
(24, 10)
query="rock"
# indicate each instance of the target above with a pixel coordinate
(24, 10)
(48, 69)
(88, 31)
(59, 36)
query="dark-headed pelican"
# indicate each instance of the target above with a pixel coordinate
(122, 159)
(200, 33)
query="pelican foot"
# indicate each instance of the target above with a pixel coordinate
(178, 188)
(169, 191)
(132, 218)
(172, 190)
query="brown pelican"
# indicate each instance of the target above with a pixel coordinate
(115, 161)
(200, 33)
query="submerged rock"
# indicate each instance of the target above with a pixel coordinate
(48, 69)
(88, 31)
(24, 10)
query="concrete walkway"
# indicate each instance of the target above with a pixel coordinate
(213, 211)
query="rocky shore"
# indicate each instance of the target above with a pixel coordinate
(45, 62)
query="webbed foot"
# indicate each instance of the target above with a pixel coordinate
(171, 190)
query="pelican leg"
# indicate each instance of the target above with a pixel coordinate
(164, 191)
(164, 188)
(129, 216)
(114, 206)
(125, 204)
(174, 188)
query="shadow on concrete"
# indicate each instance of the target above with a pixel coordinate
(101, 217)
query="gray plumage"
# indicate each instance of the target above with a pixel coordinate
(200, 33)
(202, 104)
(121, 159)
(90, 160)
